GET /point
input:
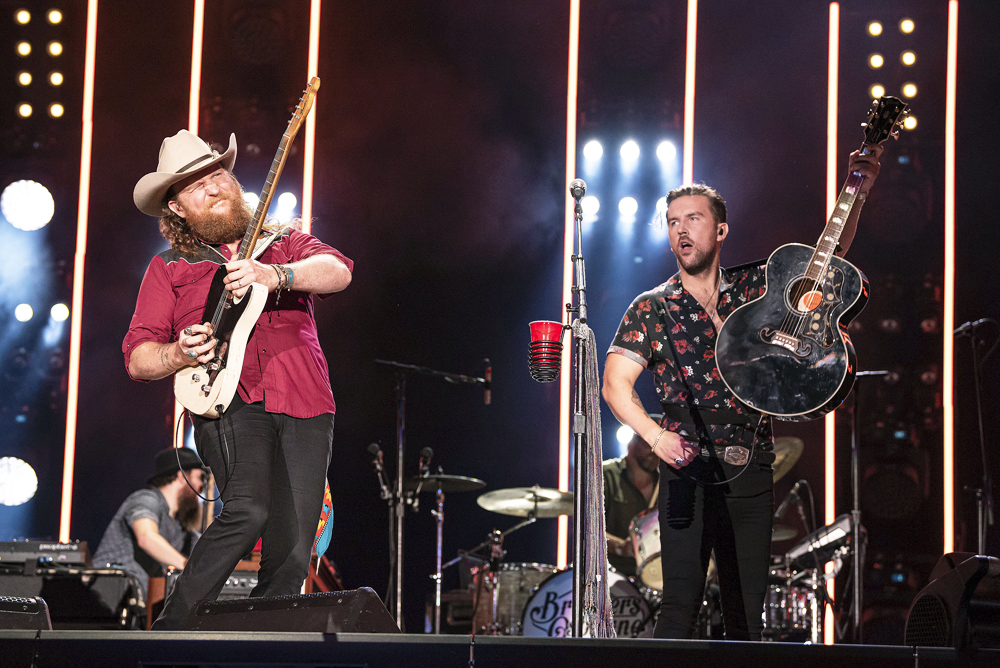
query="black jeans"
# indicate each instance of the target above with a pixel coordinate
(734, 520)
(271, 470)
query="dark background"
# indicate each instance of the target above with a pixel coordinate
(440, 168)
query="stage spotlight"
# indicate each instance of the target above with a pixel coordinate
(22, 16)
(55, 78)
(624, 434)
(908, 57)
(24, 110)
(18, 481)
(876, 91)
(907, 26)
(55, 49)
(874, 28)
(24, 78)
(630, 151)
(23, 49)
(56, 110)
(666, 151)
(23, 312)
(628, 206)
(910, 123)
(59, 312)
(27, 205)
(54, 16)
(590, 205)
(593, 150)
(252, 200)
(909, 89)
(876, 61)
(286, 207)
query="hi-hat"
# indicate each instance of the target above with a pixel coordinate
(787, 450)
(523, 501)
(444, 482)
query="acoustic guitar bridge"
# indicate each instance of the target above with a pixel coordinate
(790, 343)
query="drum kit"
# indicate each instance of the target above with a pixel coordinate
(535, 600)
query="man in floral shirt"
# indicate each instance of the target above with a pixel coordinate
(716, 488)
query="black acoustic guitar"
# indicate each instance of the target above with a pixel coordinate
(787, 353)
(207, 389)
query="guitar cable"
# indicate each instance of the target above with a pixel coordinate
(179, 428)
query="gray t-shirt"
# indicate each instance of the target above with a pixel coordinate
(119, 547)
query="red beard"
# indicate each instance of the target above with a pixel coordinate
(222, 228)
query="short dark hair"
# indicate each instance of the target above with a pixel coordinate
(714, 198)
(163, 479)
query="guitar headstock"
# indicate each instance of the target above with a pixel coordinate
(884, 119)
(304, 106)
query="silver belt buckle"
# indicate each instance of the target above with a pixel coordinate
(736, 455)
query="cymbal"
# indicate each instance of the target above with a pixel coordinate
(780, 532)
(444, 482)
(522, 501)
(787, 450)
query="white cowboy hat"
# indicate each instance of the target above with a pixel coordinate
(180, 156)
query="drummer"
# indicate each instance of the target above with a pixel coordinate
(631, 484)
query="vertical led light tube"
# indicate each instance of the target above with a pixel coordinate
(948, 362)
(309, 154)
(194, 107)
(197, 39)
(79, 265)
(691, 50)
(829, 424)
(569, 233)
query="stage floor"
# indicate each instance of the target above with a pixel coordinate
(79, 649)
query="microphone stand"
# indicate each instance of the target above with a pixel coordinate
(398, 499)
(579, 410)
(856, 562)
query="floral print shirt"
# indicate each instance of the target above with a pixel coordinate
(668, 332)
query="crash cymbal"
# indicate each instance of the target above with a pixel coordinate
(522, 501)
(787, 450)
(780, 532)
(444, 482)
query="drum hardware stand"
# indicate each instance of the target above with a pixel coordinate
(398, 501)
(857, 564)
(984, 494)
(495, 543)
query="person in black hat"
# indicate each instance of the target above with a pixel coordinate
(153, 528)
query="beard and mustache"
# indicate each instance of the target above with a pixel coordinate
(189, 511)
(215, 227)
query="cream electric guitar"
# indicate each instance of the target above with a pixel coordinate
(207, 389)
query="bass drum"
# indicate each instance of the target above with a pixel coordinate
(549, 611)
(645, 532)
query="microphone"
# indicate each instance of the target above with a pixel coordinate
(793, 496)
(487, 382)
(577, 188)
(425, 461)
(376, 452)
(969, 327)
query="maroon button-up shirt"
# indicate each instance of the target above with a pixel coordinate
(284, 365)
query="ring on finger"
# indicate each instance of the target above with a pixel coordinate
(192, 354)
(239, 282)
(679, 461)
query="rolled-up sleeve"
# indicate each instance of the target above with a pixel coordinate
(154, 310)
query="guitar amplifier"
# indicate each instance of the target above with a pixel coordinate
(238, 585)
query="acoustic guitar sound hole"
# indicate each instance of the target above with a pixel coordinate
(805, 295)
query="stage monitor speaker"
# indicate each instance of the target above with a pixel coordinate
(17, 612)
(355, 611)
(960, 607)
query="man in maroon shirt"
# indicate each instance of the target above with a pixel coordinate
(271, 448)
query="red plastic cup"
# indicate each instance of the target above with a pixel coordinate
(545, 330)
